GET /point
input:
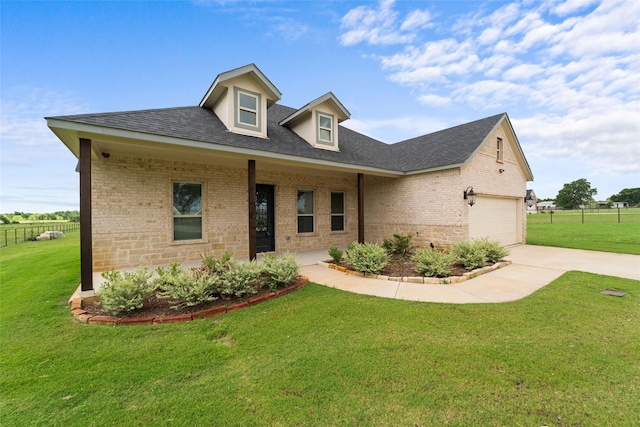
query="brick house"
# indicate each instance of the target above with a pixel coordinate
(240, 172)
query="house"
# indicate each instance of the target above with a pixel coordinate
(546, 206)
(532, 202)
(242, 173)
(617, 205)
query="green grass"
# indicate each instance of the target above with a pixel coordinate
(566, 355)
(600, 232)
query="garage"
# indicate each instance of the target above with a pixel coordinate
(496, 218)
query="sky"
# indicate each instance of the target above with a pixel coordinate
(566, 72)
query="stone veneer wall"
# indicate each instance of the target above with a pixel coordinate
(427, 206)
(483, 173)
(132, 220)
(430, 206)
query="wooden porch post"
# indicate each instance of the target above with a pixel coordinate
(360, 208)
(252, 209)
(86, 240)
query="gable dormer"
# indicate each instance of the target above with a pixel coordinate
(240, 99)
(317, 122)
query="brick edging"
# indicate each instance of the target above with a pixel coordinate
(80, 314)
(420, 279)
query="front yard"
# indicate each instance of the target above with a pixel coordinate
(566, 355)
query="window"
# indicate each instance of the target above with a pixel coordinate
(499, 149)
(187, 211)
(305, 211)
(325, 128)
(337, 211)
(247, 109)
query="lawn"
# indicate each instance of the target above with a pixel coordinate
(600, 231)
(567, 355)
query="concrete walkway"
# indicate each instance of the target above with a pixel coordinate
(532, 267)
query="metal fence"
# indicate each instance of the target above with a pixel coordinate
(11, 236)
(586, 216)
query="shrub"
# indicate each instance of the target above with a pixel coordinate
(335, 254)
(217, 265)
(280, 270)
(188, 287)
(123, 291)
(470, 256)
(492, 249)
(399, 244)
(367, 257)
(240, 278)
(432, 263)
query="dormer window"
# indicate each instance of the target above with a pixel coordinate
(247, 108)
(325, 128)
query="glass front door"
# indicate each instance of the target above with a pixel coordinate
(265, 221)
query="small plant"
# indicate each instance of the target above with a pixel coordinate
(187, 287)
(470, 256)
(367, 257)
(123, 291)
(280, 270)
(432, 263)
(399, 244)
(492, 249)
(217, 265)
(241, 278)
(335, 254)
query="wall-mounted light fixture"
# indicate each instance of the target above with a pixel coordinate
(501, 170)
(470, 196)
(106, 155)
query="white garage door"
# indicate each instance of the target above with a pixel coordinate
(494, 218)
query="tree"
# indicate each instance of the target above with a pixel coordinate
(575, 193)
(629, 195)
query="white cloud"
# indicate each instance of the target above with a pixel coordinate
(416, 20)
(381, 25)
(569, 71)
(434, 100)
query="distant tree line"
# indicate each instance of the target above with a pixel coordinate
(579, 193)
(17, 217)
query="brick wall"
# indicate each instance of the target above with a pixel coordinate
(132, 218)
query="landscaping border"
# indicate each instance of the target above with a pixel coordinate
(420, 279)
(81, 315)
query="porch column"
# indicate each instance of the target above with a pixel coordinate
(360, 208)
(86, 241)
(252, 209)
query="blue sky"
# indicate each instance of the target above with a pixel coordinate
(566, 72)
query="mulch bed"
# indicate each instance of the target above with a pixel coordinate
(160, 307)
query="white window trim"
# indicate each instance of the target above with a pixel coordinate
(201, 216)
(499, 149)
(236, 106)
(331, 129)
(312, 215)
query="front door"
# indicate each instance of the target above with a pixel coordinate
(265, 221)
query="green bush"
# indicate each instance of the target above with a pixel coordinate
(492, 249)
(335, 254)
(432, 263)
(241, 278)
(188, 287)
(123, 291)
(399, 244)
(367, 258)
(470, 256)
(280, 270)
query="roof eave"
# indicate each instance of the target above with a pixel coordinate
(64, 127)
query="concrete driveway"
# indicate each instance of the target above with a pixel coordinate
(532, 267)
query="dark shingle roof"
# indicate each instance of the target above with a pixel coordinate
(447, 147)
